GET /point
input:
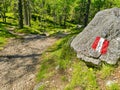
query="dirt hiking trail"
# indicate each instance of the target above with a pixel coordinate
(20, 60)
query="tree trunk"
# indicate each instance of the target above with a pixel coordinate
(65, 18)
(4, 17)
(54, 17)
(60, 20)
(87, 13)
(26, 12)
(98, 9)
(29, 14)
(99, 5)
(4, 11)
(20, 13)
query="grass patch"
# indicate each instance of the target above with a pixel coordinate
(2, 42)
(53, 57)
(105, 71)
(82, 77)
(114, 86)
(41, 87)
(28, 30)
(45, 69)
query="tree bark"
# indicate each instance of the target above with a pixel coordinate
(26, 12)
(4, 17)
(54, 17)
(29, 14)
(4, 11)
(87, 13)
(20, 13)
(60, 20)
(65, 18)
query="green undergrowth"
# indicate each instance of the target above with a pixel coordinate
(55, 56)
(82, 77)
(4, 32)
(105, 71)
(41, 29)
(4, 35)
(28, 30)
(114, 86)
(60, 57)
(2, 42)
(45, 26)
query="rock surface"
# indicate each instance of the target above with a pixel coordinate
(105, 24)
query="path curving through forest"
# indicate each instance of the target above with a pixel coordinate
(20, 60)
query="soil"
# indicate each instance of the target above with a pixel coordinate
(20, 60)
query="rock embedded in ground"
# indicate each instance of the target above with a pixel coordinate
(105, 24)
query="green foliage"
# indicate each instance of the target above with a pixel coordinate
(114, 86)
(2, 42)
(82, 77)
(4, 35)
(66, 53)
(59, 12)
(106, 70)
(4, 32)
(64, 78)
(54, 57)
(28, 30)
(41, 87)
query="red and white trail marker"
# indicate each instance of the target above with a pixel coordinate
(100, 44)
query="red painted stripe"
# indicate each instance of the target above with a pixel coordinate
(94, 45)
(104, 47)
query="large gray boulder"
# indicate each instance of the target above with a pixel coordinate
(105, 24)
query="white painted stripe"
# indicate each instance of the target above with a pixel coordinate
(100, 43)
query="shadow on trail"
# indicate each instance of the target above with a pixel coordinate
(15, 59)
(20, 60)
(20, 56)
(35, 37)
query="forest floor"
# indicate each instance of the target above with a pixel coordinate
(57, 67)
(20, 60)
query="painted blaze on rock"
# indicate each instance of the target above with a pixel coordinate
(100, 45)
(105, 28)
